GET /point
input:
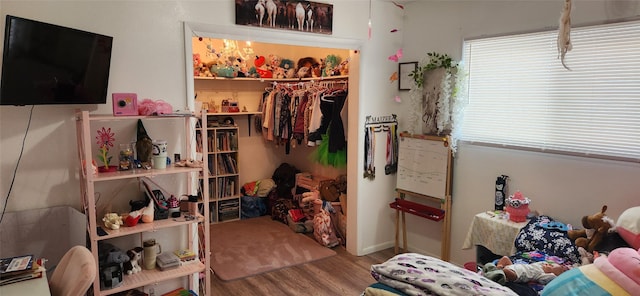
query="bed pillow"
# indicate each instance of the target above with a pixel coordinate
(628, 226)
(550, 241)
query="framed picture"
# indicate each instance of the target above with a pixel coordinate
(292, 15)
(404, 80)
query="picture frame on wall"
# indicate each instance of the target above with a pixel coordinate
(405, 81)
(292, 15)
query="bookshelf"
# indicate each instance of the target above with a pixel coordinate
(221, 152)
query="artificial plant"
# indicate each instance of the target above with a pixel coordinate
(438, 108)
(105, 139)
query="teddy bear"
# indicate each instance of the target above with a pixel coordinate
(595, 229)
(112, 220)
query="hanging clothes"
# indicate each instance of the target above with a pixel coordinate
(389, 125)
(299, 116)
(305, 113)
(337, 139)
(369, 152)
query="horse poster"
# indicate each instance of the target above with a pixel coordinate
(293, 15)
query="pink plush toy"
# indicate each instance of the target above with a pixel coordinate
(149, 107)
(628, 226)
(622, 265)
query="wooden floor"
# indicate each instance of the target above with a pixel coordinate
(343, 275)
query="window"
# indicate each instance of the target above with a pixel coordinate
(520, 95)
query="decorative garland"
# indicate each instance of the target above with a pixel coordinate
(436, 60)
(449, 103)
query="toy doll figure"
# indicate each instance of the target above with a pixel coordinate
(540, 272)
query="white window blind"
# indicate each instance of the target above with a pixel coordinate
(520, 95)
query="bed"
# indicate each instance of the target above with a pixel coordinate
(416, 274)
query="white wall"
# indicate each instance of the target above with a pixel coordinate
(564, 187)
(149, 59)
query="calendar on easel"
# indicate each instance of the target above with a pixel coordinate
(424, 171)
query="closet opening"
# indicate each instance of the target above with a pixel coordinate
(257, 157)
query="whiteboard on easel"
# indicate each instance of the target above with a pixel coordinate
(423, 166)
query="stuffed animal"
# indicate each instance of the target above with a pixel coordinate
(310, 196)
(197, 63)
(133, 265)
(148, 212)
(112, 220)
(595, 226)
(586, 257)
(110, 254)
(628, 226)
(133, 218)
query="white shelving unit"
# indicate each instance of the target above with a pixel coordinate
(221, 152)
(198, 238)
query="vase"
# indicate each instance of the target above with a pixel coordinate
(107, 169)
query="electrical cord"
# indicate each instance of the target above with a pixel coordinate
(15, 171)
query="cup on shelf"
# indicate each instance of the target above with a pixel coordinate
(159, 148)
(159, 162)
(151, 250)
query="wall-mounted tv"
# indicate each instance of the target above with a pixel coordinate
(46, 64)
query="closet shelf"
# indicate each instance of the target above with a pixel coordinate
(249, 114)
(339, 77)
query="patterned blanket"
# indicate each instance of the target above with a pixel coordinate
(416, 274)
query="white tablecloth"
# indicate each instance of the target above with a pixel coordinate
(494, 233)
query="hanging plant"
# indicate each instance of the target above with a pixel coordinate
(438, 109)
(436, 60)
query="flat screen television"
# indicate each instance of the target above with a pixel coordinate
(46, 64)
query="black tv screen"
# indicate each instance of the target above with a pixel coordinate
(46, 64)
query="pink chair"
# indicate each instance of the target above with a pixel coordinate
(74, 274)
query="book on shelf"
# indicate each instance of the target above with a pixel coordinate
(185, 254)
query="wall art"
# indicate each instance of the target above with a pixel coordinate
(301, 16)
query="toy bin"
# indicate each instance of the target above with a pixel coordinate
(518, 207)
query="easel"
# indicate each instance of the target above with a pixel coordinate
(403, 206)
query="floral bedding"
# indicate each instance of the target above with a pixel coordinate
(416, 274)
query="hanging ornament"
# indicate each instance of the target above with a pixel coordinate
(564, 32)
(395, 57)
(369, 19)
(398, 5)
(393, 77)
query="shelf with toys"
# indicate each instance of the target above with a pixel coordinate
(229, 69)
(107, 198)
